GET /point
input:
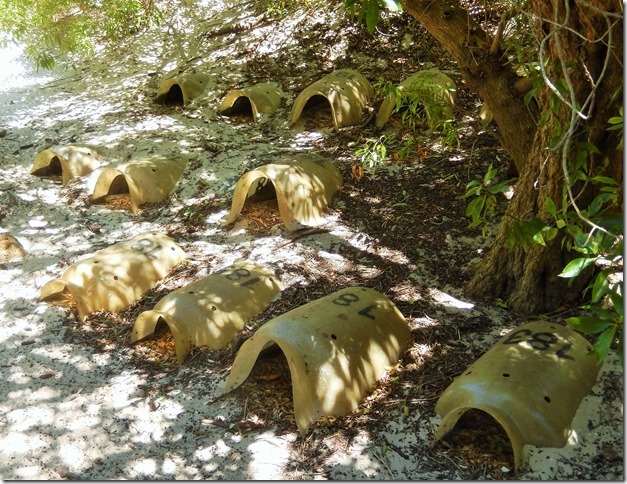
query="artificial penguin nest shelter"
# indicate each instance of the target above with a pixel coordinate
(432, 88)
(256, 100)
(115, 277)
(66, 161)
(304, 185)
(211, 311)
(347, 91)
(337, 348)
(146, 181)
(180, 90)
(531, 382)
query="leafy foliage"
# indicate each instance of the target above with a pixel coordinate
(368, 11)
(416, 112)
(373, 153)
(606, 311)
(49, 28)
(482, 206)
(596, 232)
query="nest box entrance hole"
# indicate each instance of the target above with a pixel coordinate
(118, 195)
(270, 380)
(242, 110)
(261, 204)
(261, 190)
(175, 96)
(55, 168)
(480, 434)
(161, 342)
(318, 112)
(119, 185)
(52, 170)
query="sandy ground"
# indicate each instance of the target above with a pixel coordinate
(69, 412)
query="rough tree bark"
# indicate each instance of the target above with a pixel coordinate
(587, 31)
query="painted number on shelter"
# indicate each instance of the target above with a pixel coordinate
(542, 341)
(238, 276)
(349, 298)
(147, 247)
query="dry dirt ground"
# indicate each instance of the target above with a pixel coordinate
(79, 402)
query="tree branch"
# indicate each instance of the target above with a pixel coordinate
(482, 70)
(498, 37)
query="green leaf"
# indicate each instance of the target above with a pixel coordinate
(588, 324)
(538, 238)
(524, 231)
(600, 286)
(598, 202)
(489, 174)
(617, 301)
(499, 187)
(604, 179)
(588, 147)
(560, 224)
(372, 15)
(610, 220)
(604, 343)
(550, 207)
(574, 267)
(475, 207)
(529, 96)
(551, 233)
(601, 312)
(581, 239)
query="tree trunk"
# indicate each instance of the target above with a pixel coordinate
(485, 70)
(527, 279)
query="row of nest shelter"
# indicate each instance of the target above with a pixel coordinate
(338, 346)
(346, 90)
(303, 184)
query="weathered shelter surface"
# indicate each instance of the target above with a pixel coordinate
(337, 347)
(117, 276)
(181, 89)
(67, 161)
(146, 181)
(304, 185)
(531, 381)
(256, 100)
(209, 312)
(347, 92)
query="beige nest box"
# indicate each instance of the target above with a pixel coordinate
(212, 310)
(10, 249)
(345, 90)
(180, 90)
(432, 88)
(303, 184)
(113, 278)
(252, 101)
(531, 382)
(146, 181)
(337, 348)
(66, 161)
